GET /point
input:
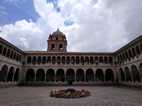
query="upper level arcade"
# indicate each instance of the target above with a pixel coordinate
(69, 58)
(57, 42)
(130, 52)
(10, 52)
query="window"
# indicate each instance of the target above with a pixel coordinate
(39, 59)
(60, 46)
(29, 59)
(4, 51)
(134, 53)
(1, 48)
(137, 49)
(43, 59)
(52, 46)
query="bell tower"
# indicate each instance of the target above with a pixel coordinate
(57, 42)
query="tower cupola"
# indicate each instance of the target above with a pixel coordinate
(57, 42)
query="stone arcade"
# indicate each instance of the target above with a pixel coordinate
(57, 65)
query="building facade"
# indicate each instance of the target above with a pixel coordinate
(57, 65)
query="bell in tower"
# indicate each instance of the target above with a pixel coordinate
(57, 42)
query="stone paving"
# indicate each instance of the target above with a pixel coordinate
(100, 96)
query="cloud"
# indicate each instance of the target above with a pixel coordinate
(23, 34)
(96, 25)
(2, 11)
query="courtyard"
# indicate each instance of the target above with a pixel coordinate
(100, 96)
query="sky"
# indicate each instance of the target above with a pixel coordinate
(89, 25)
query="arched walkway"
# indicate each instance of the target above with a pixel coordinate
(50, 75)
(40, 75)
(135, 73)
(30, 75)
(80, 75)
(89, 75)
(60, 75)
(10, 74)
(3, 73)
(109, 75)
(70, 75)
(99, 75)
(16, 75)
(128, 74)
(122, 74)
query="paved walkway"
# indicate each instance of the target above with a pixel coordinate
(39, 96)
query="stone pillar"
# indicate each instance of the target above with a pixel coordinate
(45, 76)
(84, 76)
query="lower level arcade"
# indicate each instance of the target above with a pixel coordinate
(129, 74)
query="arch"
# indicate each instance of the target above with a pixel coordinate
(63, 59)
(137, 50)
(96, 58)
(89, 75)
(39, 59)
(86, 60)
(68, 60)
(60, 46)
(72, 60)
(100, 59)
(58, 59)
(29, 59)
(141, 47)
(4, 51)
(53, 60)
(70, 75)
(80, 75)
(122, 74)
(130, 53)
(14, 56)
(77, 60)
(91, 60)
(128, 74)
(34, 59)
(16, 75)
(140, 68)
(99, 75)
(133, 51)
(117, 77)
(109, 75)
(30, 75)
(11, 54)
(60, 75)
(110, 60)
(44, 59)
(82, 60)
(3, 73)
(121, 57)
(40, 75)
(50, 75)
(1, 49)
(52, 46)
(105, 59)
(8, 53)
(10, 74)
(48, 59)
(135, 73)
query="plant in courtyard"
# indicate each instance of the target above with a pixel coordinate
(69, 93)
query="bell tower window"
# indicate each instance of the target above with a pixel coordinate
(60, 46)
(53, 46)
